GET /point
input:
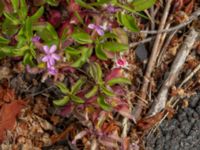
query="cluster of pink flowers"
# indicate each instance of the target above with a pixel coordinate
(50, 58)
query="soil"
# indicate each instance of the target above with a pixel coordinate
(180, 133)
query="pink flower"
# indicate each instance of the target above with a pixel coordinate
(121, 63)
(50, 58)
(112, 9)
(36, 39)
(99, 29)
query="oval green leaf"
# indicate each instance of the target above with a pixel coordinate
(77, 99)
(99, 52)
(103, 104)
(77, 86)
(92, 92)
(106, 91)
(118, 81)
(115, 47)
(62, 87)
(140, 5)
(129, 22)
(61, 102)
(82, 37)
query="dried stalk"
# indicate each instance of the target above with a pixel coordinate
(131, 45)
(177, 65)
(190, 75)
(194, 16)
(165, 47)
(152, 60)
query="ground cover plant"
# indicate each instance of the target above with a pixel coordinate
(74, 69)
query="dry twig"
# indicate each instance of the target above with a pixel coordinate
(152, 60)
(131, 45)
(191, 18)
(190, 75)
(177, 65)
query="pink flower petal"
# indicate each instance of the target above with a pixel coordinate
(55, 56)
(45, 58)
(46, 49)
(91, 26)
(121, 62)
(51, 61)
(52, 49)
(49, 64)
(100, 31)
(52, 71)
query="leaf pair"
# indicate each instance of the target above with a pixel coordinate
(70, 94)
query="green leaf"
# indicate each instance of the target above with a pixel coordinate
(99, 52)
(11, 18)
(95, 72)
(83, 4)
(72, 51)
(20, 51)
(115, 47)
(77, 99)
(103, 104)
(128, 21)
(52, 31)
(4, 40)
(140, 5)
(100, 2)
(47, 33)
(130, 9)
(92, 92)
(106, 91)
(28, 29)
(1, 8)
(118, 81)
(6, 51)
(85, 54)
(23, 9)
(61, 102)
(107, 35)
(8, 28)
(78, 17)
(52, 2)
(77, 86)
(33, 53)
(15, 4)
(82, 37)
(28, 59)
(62, 87)
(38, 14)
(99, 73)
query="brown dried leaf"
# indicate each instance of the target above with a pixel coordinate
(8, 114)
(177, 92)
(6, 94)
(59, 137)
(170, 111)
(149, 122)
(189, 7)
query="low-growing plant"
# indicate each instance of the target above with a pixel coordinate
(82, 40)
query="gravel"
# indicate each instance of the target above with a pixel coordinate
(180, 133)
